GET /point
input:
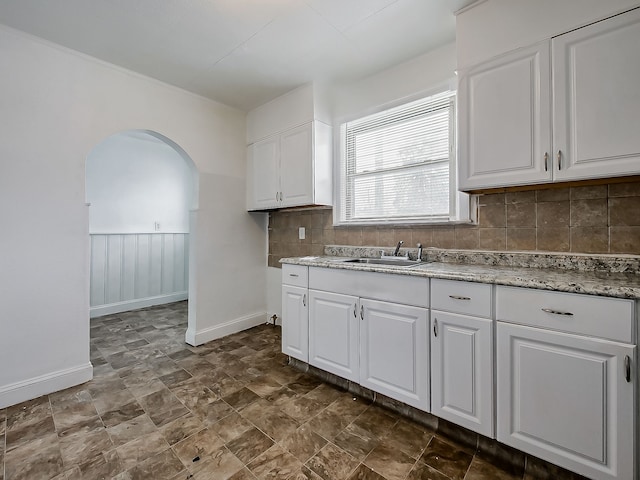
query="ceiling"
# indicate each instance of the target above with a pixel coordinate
(242, 52)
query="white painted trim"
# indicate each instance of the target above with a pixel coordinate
(468, 7)
(137, 303)
(44, 384)
(195, 338)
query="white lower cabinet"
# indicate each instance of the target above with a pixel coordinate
(333, 333)
(295, 312)
(394, 351)
(462, 354)
(552, 374)
(295, 326)
(462, 370)
(561, 395)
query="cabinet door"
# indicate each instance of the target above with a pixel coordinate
(394, 351)
(504, 120)
(596, 73)
(263, 185)
(462, 370)
(295, 322)
(296, 172)
(333, 333)
(566, 399)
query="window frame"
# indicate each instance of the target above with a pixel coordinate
(459, 204)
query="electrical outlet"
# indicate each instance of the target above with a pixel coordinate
(301, 233)
(156, 226)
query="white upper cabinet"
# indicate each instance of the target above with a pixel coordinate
(504, 114)
(291, 169)
(296, 166)
(563, 109)
(263, 181)
(596, 99)
(289, 157)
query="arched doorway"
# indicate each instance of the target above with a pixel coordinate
(141, 190)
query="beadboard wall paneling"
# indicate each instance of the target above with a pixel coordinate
(131, 271)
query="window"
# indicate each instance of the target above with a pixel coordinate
(397, 166)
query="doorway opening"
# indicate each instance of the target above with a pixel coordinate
(142, 190)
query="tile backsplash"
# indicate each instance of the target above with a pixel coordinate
(580, 219)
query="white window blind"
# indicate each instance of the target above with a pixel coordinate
(396, 164)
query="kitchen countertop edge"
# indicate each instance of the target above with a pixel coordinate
(618, 285)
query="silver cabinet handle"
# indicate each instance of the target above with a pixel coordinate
(557, 312)
(280, 196)
(559, 160)
(546, 161)
(458, 297)
(355, 310)
(304, 300)
(294, 275)
(362, 312)
(435, 327)
(627, 368)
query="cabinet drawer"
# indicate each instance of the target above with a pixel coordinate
(604, 317)
(467, 298)
(404, 289)
(297, 275)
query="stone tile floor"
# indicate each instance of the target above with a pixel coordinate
(230, 409)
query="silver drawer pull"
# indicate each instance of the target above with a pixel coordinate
(557, 312)
(304, 300)
(458, 297)
(627, 368)
(293, 275)
(435, 327)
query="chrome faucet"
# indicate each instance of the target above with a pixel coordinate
(419, 257)
(396, 252)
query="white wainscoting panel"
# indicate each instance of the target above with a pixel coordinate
(131, 271)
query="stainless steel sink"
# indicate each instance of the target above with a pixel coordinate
(396, 262)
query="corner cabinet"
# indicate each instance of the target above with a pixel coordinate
(565, 381)
(290, 169)
(564, 109)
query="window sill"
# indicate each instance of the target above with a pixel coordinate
(407, 224)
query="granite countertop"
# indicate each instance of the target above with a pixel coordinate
(606, 275)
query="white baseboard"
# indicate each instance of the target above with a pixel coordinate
(111, 308)
(44, 384)
(200, 337)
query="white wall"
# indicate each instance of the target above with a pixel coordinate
(135, 180)
(406, 81)
(56, 107)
